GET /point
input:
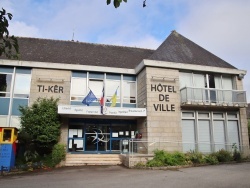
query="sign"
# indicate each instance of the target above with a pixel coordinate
(7, 156)
(163, 97)
(50, 89)
(95, 110)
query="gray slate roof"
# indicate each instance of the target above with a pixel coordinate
(69, 52)
(176, 48)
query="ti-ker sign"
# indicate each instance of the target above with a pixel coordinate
(50, 89)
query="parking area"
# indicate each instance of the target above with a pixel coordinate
(227, 175)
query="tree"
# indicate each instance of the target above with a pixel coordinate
(8, 44)
(116, 2)
(41, 123)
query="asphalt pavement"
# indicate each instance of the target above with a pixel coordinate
(227, 175)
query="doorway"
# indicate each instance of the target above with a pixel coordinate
(97, 137)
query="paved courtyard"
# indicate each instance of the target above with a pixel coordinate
(230, 175)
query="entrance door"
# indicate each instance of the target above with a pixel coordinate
(97, 138)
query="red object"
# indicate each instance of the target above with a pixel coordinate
(138, 136)
(1, 129)
(14, 147)
(102, 98)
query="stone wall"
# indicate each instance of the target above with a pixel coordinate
(46, 83)
(243, 122)
(159, 89)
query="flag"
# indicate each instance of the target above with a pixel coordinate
(114, 98)
(102, 100)
(89, 98)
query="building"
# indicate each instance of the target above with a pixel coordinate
(179, 94)
(248, 111)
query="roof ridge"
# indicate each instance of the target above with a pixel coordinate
(179, 49)
(91, 43)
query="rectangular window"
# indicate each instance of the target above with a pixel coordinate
(211, 133)
(218, 115)
(186, 79)
(219, 135)
(233, 134)
(5, 84)
(129, 92)
(232, 115)
(204, 136)
(22, 85)
(111, 87)
(78, 89)
(96, 87)
(188, 135)
(188, 114)
(203, 114)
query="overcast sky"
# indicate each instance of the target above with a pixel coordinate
(220, 26)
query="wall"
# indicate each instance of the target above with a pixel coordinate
(50, 83)
(141, 102)
(163, 107)
(243, 122)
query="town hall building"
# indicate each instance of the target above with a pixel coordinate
(180, 96)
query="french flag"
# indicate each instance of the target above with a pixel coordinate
(102, 100)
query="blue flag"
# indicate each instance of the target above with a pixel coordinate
(89, 98)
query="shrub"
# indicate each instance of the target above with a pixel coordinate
(30, 156)
(174, 159)
(58, 154)
(140, 165)
(211, 159)
(40, 125)
(236, 153)
(163, 158)
(195, 157)
(159, 155)
(154, 163)
(223, 155)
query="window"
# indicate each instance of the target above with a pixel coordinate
(14, 90)
(129, 92)
(188, 135)
(22, 85)
(111, 87)
(5, 84)
(78, 88)
(96, 87)
(219, 134)
(233, 134)
(210, 132)
(186, 79)
(124, 86)
(203, 87)
(204, 142)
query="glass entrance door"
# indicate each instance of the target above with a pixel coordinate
(97, 138)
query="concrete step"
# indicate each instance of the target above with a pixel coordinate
(92, 159)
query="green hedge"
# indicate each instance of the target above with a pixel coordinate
(164, 158)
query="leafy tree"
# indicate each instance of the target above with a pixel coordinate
(116, 2)
(41, 122)
(8, 44)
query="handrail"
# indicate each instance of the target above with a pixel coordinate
(213, 95)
